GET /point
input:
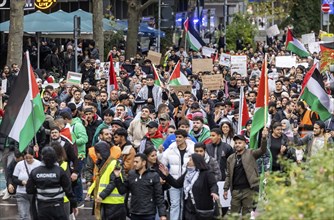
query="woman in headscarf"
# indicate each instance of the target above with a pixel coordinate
(199, 187)
(287, 129)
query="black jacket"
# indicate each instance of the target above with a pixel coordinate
(43, 181)
(224, 150)
(146, 192)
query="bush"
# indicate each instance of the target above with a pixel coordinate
(305, 191)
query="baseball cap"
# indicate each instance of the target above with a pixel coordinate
(239, 137)
(152, 124)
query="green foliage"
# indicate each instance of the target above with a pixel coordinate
(305, 191)
(241, 27)
(167, 41)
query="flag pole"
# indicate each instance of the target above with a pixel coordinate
(265, 89)
(241, 103)
(31, 99)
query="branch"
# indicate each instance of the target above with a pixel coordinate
(146, 4)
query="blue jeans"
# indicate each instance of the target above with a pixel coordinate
(23, 205)
(176, 197)
(77, 188)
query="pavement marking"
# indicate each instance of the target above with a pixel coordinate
(8, 204)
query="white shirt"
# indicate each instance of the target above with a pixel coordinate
(21, 172)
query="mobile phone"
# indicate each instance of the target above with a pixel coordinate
(118, 165)
(295, 123)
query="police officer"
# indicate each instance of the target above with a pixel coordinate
(50, 184)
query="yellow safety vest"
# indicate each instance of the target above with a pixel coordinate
(114, 197)
(64, 166)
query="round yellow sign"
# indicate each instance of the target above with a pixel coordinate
(44, 4)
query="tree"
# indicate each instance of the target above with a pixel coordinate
(15, 42)
(241, 27)
(135, 9)
(98, 27)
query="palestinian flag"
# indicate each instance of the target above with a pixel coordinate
(314, 94)
(157, 80)
(260, 117)
(295, 46)
(177, 78)
(243, 111)
(112, 82)
(192, 36)
(24, 113)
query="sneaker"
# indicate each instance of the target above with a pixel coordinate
(81, 204)
(6, 196)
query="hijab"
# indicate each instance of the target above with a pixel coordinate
(103, 149)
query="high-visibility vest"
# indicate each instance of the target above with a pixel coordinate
(64, 165)
(114, 197)
(306, 120)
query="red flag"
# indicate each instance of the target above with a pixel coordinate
(112, 76)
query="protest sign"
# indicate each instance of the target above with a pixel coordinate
(155, 57)
(286, 61)
(207, 51)
(272, 31)
(239, 65)
(181, 88)
(212, 82)
(202, 65)
(314, 47)
(225, 59)
(308, 38)
(4, 86)
(223, 202)
(73, 78)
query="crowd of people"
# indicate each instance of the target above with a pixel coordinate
(142, 145)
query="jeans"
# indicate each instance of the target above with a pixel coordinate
(23, 205)
(176, 206)
(77, 187)
(242, 200)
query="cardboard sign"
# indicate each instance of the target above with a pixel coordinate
(207, 51)
(73, 78)
(308, 38)
(272, 31)
(204, 65)
(223, 202)
(155, 57)
(212, 82)
(286, 61)
(225, 59)
(4, 86)
(181, 88)
(314, 47)
(239, 65)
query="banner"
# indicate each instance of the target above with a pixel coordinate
(225, 59)
(202, 65)
(212, 82)
(286, 61)
(273, 31)
(239, 65)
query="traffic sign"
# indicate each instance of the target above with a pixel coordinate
(325, 8)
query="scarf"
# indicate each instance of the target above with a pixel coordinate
(163, 130)
(157, 139)
(189, 180)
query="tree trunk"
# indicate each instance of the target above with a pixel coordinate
(134, 16)
(15, 42)
(98, 27)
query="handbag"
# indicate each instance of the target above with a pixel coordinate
(202, 213)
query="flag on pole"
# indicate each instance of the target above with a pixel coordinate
(157, 80)
(112, 82)
(314, 94)
(177, 78)
(24, 113)
(295, 46)
(192, 36)
(260, 117)
(243, 111)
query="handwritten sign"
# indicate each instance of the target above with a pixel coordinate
(207, 51)
(4, 86)
(212, 82)
(308, 38)
(155, 57)
(272, 31)
(286, 61)
(239, 65)
(181, 88)
(204, 65)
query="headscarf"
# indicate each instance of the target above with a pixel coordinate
(103, 149)
(288, 129)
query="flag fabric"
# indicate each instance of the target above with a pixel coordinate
(157, 80)
(260, 117)
(243, 111)
(177, 78)
(327, 56)
(192, 36)
(112, 84)
(314, 94)
(24, 113)
(295, 46)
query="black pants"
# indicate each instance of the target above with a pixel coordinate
(51, 212)
(142, 217)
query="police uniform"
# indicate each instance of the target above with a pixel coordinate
(50, 186)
